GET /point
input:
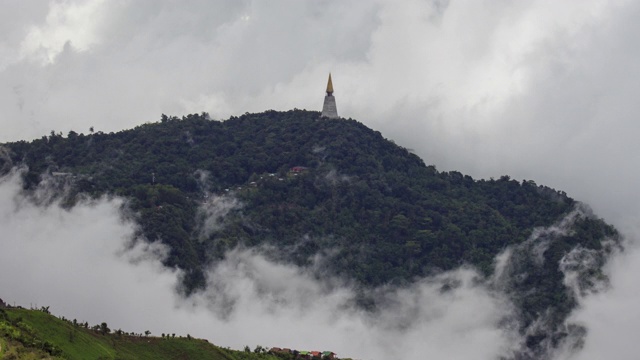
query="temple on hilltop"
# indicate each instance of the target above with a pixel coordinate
(329, 109)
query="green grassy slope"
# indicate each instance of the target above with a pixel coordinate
(28, 334)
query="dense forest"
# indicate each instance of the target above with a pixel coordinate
(308, 186)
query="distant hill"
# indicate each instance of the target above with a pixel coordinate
(310, 186)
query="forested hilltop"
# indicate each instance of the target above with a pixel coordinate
(310, 186)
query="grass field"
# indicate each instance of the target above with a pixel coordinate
(79, 343)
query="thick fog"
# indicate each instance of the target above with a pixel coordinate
(538, 90)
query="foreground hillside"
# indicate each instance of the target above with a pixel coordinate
(35, 334)
(42, 335)
(329, 189)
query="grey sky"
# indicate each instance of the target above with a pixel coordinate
(539, 90)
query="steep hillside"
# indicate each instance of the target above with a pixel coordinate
(305, 186)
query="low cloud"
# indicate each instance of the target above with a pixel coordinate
(82, 262)
(611, 316)
(213, 210)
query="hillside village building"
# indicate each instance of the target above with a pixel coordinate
(329, 109)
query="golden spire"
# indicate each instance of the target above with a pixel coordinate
(329, 86)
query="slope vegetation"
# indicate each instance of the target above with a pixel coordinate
(35, 334)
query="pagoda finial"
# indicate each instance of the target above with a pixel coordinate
(329, 86)
(329, 109)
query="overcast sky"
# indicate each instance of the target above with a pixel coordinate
(539, 90)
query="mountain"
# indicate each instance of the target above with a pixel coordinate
(305, 189)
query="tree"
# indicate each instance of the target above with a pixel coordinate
(147, 333)
(104, 329)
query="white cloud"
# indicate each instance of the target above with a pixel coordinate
(73, 23)
(212, 212)
(611, 316)
(80, 261)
